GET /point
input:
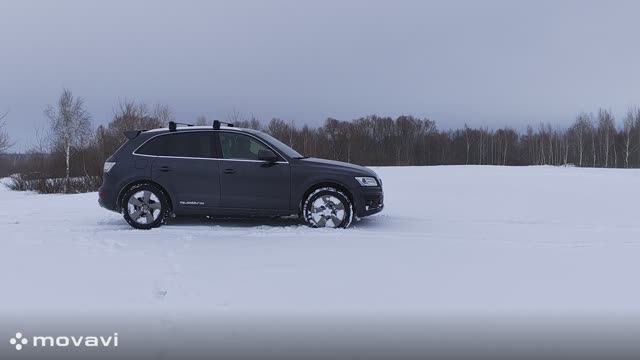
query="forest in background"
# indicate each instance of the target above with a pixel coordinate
(69, 153)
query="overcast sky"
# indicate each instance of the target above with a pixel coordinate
(491, 63)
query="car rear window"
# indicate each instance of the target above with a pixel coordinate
(185, 144)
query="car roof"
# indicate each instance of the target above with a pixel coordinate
(148, 134)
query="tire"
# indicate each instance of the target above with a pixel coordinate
(145, 206)
(327, 207)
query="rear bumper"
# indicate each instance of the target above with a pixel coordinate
(368, 201)
(107, 199)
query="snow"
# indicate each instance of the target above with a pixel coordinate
(451, 240)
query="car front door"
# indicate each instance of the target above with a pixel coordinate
(185, 165)
(248, 183)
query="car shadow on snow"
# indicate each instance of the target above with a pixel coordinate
(368, 222)
(234, 222)
(364, 223)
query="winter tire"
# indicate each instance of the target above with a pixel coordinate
(327, 207)
(145, 206)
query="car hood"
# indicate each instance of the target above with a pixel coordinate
(339, 165)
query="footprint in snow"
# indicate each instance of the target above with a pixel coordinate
(160, 294)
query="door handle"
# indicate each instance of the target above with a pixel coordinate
(229, 171)
(165, 169)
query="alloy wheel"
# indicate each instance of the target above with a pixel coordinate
(327, 211)
(144, 207)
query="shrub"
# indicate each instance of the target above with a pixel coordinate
(83, 184)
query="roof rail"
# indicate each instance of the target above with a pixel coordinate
(217, 123)
(173, 126)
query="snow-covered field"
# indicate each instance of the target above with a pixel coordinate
(451, 240)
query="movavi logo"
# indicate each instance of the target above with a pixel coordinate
(19, 341)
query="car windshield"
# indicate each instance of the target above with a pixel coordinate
(282, 147)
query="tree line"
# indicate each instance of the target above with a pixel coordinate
(70, 147)
(592, 140)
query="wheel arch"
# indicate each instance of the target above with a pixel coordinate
(334, 184)
(138, 182)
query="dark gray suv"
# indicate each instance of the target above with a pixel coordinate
(229, 171)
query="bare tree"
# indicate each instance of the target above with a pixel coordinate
(201, 120)
(4, 136)
(606, 130)
(467, 139)
(136, 116)
(629, 123)
(593, 148)
(70, 126)
(235, 117)
(579, 132)
(163, 114)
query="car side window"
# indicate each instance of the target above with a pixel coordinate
(156, 146)
(241, 147)
(188, 144)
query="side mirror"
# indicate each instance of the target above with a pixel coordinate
(267, 155)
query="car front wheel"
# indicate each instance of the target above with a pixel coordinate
(327, 207)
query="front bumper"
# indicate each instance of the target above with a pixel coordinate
(368, 201)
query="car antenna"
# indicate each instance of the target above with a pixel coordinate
(173, 126)
(217, 123)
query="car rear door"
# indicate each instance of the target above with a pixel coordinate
(185, 165)
(248, 183)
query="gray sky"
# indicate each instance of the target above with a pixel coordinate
(488, 63)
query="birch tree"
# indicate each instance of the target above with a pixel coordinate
(467, 141)
(606, 129)
(629, 123)
(70, 126)
(579, 133)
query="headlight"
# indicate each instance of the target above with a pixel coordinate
(366, 181)
(107, 166)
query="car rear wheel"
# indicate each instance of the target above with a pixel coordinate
(145, 206)
(327, 207)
